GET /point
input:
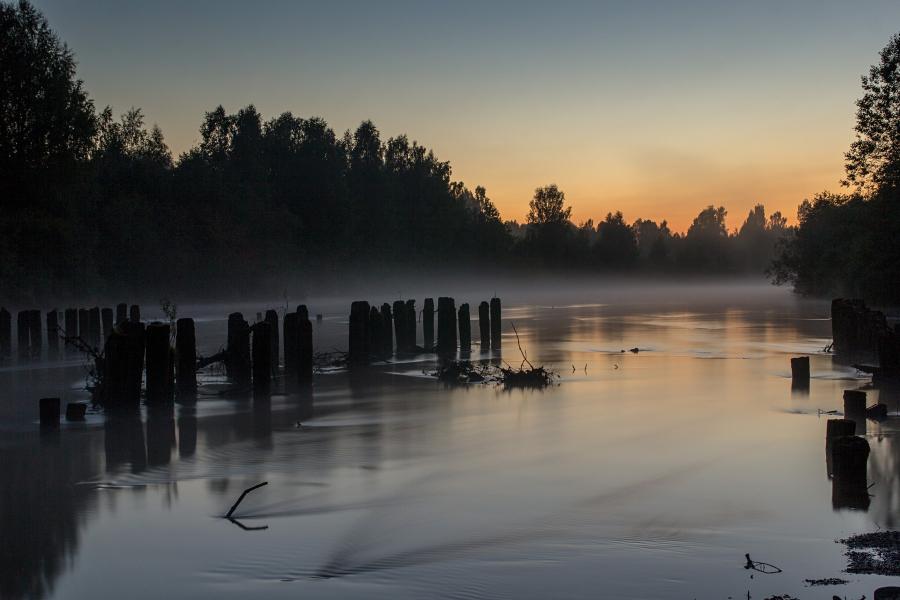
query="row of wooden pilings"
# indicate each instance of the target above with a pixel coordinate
(847, 452)
(373, 330)
(91, 326)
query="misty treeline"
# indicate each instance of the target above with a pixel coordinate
(95, 202)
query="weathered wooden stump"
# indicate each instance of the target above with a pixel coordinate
(484, 326)
(854, 404)
(303, 311)
(49, 413)
(23, 335)
(5, 334)
(159, 362)
(446, 326)
(76, 411)
(262, 356)
(95, 324)
(496, 329)
(836, 428)
(387, 328)
(376, 333)
(134, 313)
(84, 324)
(237, 364)
(291, 335)
(53, 333)
(359, 332)
(410, 327)
(272, 320)
(304, 348)
(185, 356)
(428, 324)
(850, 455)
(106, 317)
(34, 333)
(465, 328)
(121, 312)
(800, 369)
(71, 326)
(399, 315)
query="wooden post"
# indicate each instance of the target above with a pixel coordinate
(71, 326)
(121, 313)
(36, 339)
(53, 333)
(496, 329)
(400, 325)
(5, 334)
(84, 324)
(428, 324)
(262, 356)
(387, 328)
(376, 335)
(134, 313)
(23, 335)
(49, 410)
(124, 366)
(303, 312)
(850, 455)
(272, 320)
(75, 411)
(410, 326)
(106, 316)
(484, 326)
(237, 365)
(185, 356)
(465, 328)
(158, 362)
(359, 332)
(800, 369)
(95, 324)
(291, 343)
(836, 428)
(304, 348)
(854, 404)
(446, 326)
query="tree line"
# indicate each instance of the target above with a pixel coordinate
(93, 202)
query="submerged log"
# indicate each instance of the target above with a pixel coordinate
(446, 326)
(496, 329)
(484, 326)
(359, 332)
(237, 365)
(185, 356)
(262, 356)
(159, 361)
(465, 328)
(428, 324)
(5, 334)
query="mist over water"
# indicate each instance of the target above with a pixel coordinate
(639, 475)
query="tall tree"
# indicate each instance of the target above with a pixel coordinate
(873, 160)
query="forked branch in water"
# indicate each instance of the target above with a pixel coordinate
(241, 499)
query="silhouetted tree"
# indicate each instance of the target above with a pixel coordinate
(873, 161)
(616, 247)
(549, 228)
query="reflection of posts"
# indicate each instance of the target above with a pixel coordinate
(836, 428)
(160, 435)
(849, 489)
(187, 431)
(124, 441)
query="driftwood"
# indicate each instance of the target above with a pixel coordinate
(244, 494)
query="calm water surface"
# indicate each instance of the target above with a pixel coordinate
(645, 475)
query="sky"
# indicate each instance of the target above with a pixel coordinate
(656, 109)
